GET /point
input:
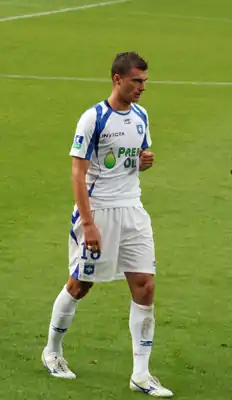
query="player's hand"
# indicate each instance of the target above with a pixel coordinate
(146, 159)
(92, 238)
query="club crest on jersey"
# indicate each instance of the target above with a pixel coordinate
(139, 129)
(89, 269)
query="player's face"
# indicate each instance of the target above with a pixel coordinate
(131, 87)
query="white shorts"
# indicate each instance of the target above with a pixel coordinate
(127, 245)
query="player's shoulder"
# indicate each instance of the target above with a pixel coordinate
(88, 114)
(140, 108)
(92, 112)
(140, 111)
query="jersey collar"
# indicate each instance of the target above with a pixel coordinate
(117, 112)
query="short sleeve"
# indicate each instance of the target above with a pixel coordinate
(83, 143)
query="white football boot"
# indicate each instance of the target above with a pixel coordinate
(57, 366)
(151, 385)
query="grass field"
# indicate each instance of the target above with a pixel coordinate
(188, 194)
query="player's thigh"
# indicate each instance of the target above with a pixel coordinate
(137, 250)
(86, 265)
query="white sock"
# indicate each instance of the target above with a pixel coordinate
(142, 327)
(62, 314)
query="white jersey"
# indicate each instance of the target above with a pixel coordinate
(112, 141)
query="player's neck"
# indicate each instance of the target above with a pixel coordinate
(117, 104)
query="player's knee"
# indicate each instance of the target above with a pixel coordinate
(78, 289)
(149, 288)
(147, 292)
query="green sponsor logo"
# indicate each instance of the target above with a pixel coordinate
(110, 160)
(128, 152)
(131, 154)
(130, 163)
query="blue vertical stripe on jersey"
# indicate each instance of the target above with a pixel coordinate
(77, 214)
(72, 234)
(99, 126)
(140, 113)
(144, 145)
(95, 133)
(90, 191)
(75, 217)
(101, 122)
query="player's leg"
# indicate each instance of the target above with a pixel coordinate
(66, 304)
(64, 309)
(141, 321)
(142, 327)
(137, 258)
(85, 269)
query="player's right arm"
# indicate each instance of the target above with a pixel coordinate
(81, 152)
(91, 233)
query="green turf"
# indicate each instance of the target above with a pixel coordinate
(188, 194)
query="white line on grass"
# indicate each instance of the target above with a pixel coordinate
(63, 10)
(104, 80)
(191, 17)
(193, 83)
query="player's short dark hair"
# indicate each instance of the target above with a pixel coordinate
(124, 62)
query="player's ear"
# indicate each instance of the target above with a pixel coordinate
(116, 79)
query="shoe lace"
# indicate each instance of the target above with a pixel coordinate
(60, 364)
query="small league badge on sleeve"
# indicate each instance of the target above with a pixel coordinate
(78, 141)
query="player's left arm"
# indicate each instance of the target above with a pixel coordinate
(146, 158)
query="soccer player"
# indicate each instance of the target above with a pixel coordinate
(111, 236)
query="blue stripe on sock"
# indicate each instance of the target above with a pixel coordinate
(60, 330)
(146, 343)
